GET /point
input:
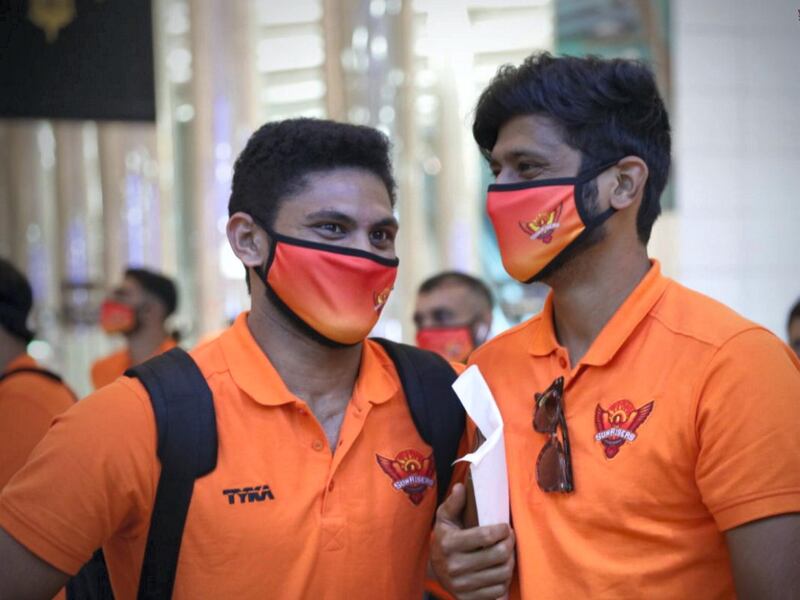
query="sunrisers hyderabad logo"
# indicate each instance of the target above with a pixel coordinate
(618, 424)
(543, 226)
(380, 298)
(411, 473)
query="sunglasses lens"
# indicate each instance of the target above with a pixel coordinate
(551, 467)
(545, 419)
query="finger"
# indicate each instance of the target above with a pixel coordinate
(487, 578)
(450, 510)
(475, 539)
(490, 593)
(496, 555)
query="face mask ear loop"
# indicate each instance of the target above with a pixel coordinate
(583, 179)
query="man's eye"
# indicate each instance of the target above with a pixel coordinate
(331, 228)
(382, 235)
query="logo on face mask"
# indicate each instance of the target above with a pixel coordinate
(411, 473)
(543, 226)
(618, 424)
(381, 298)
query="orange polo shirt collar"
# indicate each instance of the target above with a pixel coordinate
(254, 374)
(635, 308)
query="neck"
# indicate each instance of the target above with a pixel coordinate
(590, 289)
(323, 377)
(144, 343)
(10, 348)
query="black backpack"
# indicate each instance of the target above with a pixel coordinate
(187, 449)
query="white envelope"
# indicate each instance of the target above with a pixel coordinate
(487, 463)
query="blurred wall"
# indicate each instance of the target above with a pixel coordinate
(737, 153)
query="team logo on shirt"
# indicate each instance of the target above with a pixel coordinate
(411, 473)
(380, 298)
(618, 424)
(543, 225)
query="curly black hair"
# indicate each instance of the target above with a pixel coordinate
(606, 108)
(280, 155)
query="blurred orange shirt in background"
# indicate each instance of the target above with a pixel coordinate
(107, 369)
(28, 404)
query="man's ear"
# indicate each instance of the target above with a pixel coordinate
(248, 241)
(631, 177)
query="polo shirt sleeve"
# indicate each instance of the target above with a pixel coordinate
(93, 476)
(747, 425)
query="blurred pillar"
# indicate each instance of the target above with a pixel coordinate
(80, 244)
(222, 89)
(458, 214)
(31, 188)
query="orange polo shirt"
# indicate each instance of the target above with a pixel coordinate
(281, 516)
(28, 404)
(683, 420)
(107, 369)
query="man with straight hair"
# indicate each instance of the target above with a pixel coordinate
(651, 432)
(137, 309)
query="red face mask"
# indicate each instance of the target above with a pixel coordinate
(535, 222)
(117, 317)
(337, 292)
(452, 343)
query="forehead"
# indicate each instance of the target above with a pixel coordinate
(356, 192)
(536, 135)
(452, 295)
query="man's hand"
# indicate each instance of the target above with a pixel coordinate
(475, 563)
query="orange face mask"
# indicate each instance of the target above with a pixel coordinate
(452, 343)
(336, 292)
(117, 317)
(536, 221)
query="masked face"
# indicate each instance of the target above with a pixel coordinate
(536, 222)
(455, 343)
(336, 292)
(118, 317)
(331, 264)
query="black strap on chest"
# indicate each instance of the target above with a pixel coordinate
(427, 381)
(187, 449)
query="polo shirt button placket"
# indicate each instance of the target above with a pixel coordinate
(317, 445)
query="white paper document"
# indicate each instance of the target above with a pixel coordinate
(487, 463)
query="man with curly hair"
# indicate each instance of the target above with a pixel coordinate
(323, 487)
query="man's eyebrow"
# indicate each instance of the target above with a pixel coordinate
(332, 215)
(514, 153)
(387, 222)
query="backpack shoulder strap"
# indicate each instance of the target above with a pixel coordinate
(435, 408)
(187, 449)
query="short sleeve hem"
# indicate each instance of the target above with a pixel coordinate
(38, 542)
(759, 508)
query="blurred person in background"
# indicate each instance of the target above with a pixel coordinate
(138, 309)
(651, 432)
(453, 314)
(793, 328)
(30, 396)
